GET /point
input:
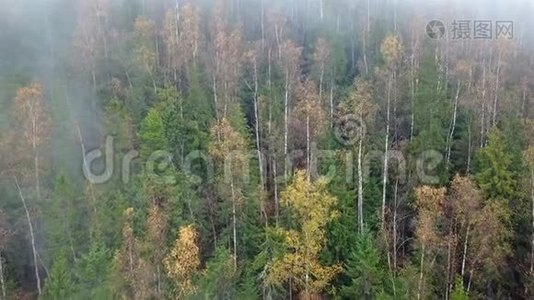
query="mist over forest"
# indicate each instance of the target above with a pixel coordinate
(255, 149)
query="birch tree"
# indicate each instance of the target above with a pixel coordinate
(34, 126)
(465, 202)
(228, 148)
(391, 50)
(321, 57)
(360, 104)
(183, 261)
(289, 63)
(226, 61)
(428, 203)
(314, 209)
(92, 34)
(182, 38)
(145, 55)
(504, 49)
(309, 110)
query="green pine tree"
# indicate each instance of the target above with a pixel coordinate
(494, 168)
(364, 269)
(60, 284)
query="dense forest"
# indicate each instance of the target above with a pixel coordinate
(254, 149)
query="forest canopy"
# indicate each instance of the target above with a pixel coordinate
(254, 149)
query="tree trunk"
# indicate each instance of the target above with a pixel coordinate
(37, 177)
(483, 106)
(412, 92)
(453, 124)
(257, 125)
(213, 229)
(321, 11)
(414, 81)
(332, 103)
(464, 256)
(32, 238)
(234, 221)
(262, 18)
(321, 78)
(153, 81)
(308, 147)
(532, 198)
(395, 16)
(470, 280)
(469, 147)
(496, 98)
(386, 153)
(449, 259)
(93, 75)
(366, 37)
(158, 280)
(215, 99)
(35, 155)
(395, 228)
(365, 63)
(276, 202)
(2, 280)
(286, 120)
(421, 276)
(524, 111)
(360, 184)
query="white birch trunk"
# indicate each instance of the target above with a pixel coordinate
(395, 228)
(276, 202)
(532, 198)
(332, 104)
(453, 124)
(308, 147)
(321, 78)
(234, 221)
(360, 184)
(286, 119)
(421, 274)
(483, 106)
(464, 256)
(257, 125)
(386, 154)
(32, 238)
(496, 98)
(321, 9)
(2, 279)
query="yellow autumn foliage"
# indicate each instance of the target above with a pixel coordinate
(313, 207)
(183, 260)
